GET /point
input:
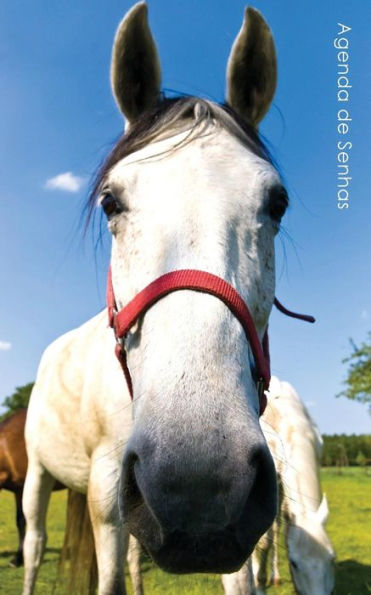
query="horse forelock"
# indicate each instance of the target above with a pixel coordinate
(163, 118)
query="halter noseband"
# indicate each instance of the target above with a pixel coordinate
(194, 280)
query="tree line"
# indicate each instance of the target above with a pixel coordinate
(342, 450)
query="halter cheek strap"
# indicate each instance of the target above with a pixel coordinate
(194, 280)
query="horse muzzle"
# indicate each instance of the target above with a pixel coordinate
(198, 522)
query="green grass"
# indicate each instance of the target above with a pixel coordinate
(349, 496)
(349, 527)
(11, 578)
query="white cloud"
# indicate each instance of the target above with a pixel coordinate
(364, 314)
(310, 404)
(5, 345)
(66, 181)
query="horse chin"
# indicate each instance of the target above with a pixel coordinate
(212, 550)
(217, 552)
(182, 553)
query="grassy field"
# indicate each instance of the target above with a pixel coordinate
(349, 497)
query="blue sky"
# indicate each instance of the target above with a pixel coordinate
(57, 118)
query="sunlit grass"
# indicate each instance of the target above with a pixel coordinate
(349, 496)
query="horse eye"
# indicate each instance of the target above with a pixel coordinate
(278, 202)
(110, 205)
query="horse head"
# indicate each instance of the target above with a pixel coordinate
(191, 186)
(311, 555)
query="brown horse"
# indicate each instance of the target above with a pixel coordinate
(13, 468)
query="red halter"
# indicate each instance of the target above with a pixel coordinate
(205, 282)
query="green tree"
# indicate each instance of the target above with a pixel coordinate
(361, 459)
(358, 381)
(17, 400)
(341, 457)
(327, 460)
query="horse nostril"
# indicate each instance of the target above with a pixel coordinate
(264, 486)
(130, 495)
(134, 510)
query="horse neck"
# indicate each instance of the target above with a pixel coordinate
(299, 467)
(300, 478)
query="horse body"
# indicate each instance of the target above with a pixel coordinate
(190, 186)
(14, 462)
(78, 379)
(13, 467)
(76, 428)
(13, 456)
(301, 447)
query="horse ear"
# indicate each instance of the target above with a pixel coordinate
(323, 511)
(252, 69)
(135, 66)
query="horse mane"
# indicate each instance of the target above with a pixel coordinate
(167, 114)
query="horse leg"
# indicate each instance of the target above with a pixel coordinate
(37, 489)
(133, 558)
(275, 572)
(275, 578)
(17, 560)
(110, 536)
(240, 582)
(259, 562)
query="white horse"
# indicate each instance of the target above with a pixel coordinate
(295, 444)
(189, 186)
